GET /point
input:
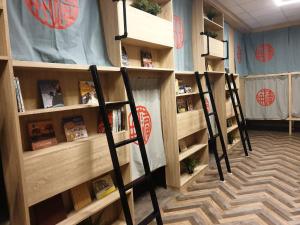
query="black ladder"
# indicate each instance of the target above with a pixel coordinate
(212, 136)
(236, 103)
(113, 146)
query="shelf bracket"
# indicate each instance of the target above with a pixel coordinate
(208, 50)
(125, 35)
(227, 49)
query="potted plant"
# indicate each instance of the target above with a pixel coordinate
(147, 6)
(190, 165)
(211, 14)
(212, 34)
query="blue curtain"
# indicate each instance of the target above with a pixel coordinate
(294, 49)
(58, 33)
(226, 37)
(240, 54)
(267, 52)
(183, 35)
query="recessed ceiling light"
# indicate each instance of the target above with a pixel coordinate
(285, 2)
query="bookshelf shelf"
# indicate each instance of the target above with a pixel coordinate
(64, 108)
(4, 58)
(191, 150)
(184, 73)
(93, 208)
(189, 123)
(211, 25)
(187, 94)
(235, 142)
(90, 155)
(232, 128)
(216, 72)
(59, 66)
(185, 178)
(149, 69)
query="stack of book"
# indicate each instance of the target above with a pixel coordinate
(115, 119)
(19, 97)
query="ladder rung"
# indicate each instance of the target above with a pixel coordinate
(116, 103)
(238, 105)
(221, 157)
(135, 182)
(212, 113)
(148, 219)
(235, 89)
(206, 92)
(214, 136)
(125, 142)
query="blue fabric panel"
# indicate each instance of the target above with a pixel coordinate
(267, 52)
(294, 49)
(240, 54)
(226, 37)
(183, 35)
(35, 38)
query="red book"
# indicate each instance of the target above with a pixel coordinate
(50, 211)
(101, 128)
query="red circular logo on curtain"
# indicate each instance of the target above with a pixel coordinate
(239, 54)
(178, 32)
(56, 14)
(264, 53)
(145, 121)
(265, 97)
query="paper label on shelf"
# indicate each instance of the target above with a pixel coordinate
(266, 98)
(147, 98)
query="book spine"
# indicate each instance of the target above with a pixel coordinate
(17, 94)
(20, 95)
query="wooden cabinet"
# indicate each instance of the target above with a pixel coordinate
(216, 48)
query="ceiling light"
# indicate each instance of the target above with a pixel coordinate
(285, 2)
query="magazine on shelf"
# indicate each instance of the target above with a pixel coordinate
(51, 93)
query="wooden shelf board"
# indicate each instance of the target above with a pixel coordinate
(237, 141)
(229, 117)
(64, 145)
(119, 222)
(184, 73)
(3, 58)
(150, 69)
(216, 72)
(294, 119)
(78, 216)
(60, 66)
(185, 178)
(187, 94)
(232, 128)
(191, 150)
(211, 25)
(61, 109)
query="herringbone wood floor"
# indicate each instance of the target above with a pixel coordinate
(262, 189)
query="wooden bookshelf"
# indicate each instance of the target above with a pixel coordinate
(191, 150)
(211, 25)
(230, 116)
(93, 208)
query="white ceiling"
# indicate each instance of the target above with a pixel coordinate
(259, 14)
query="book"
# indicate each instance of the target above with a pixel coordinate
(116, 121)
(19, 97)
(103, 187)
(189, 103)
(101, 128)
(81, 196)
(146, 58)
(181, 105)
(41, 134)
(88, 92)
(124, 57)
(51, 93)
(50, 211)
(74, 128)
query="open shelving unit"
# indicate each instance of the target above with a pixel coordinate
(233, 136)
